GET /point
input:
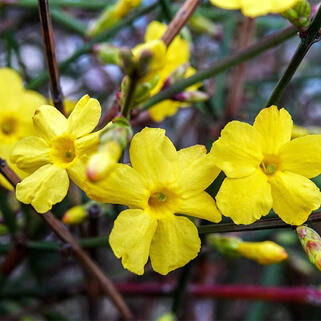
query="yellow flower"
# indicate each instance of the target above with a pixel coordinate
(178, 53)
(266, 169)
(60, 149)
(17, 106)
(160, 183)
(255, 8)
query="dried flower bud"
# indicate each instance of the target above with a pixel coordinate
(311, 243)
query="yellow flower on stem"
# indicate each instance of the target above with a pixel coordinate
(61, 148)
(160, 183)
(177, 54)
(17, 107)
(265, 169)
(255, 8)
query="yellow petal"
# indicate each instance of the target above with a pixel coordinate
(154, 156)
(275, 126)
(164, 109)
(227, 4)
(175, 243)
(294, 197)
(47, 186)
(77, 173)
(87, 145)
(84, 117)
(10, 83)
(30, 153)
(30, 101)
(49, 122)
(131, 237)
(123, 186)
(302, 156)
(254, 8)
(246, 199)
(155, 30)
(238, 151)
(280, 6)
(200, 205)
(196, 170)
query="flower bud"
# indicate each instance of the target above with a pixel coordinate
(201, 24)
(121, 57)
(191, 96)
(113, 141)
(299, 15)
(167, 317)
(178, 74)
(111, 15)
(75, 215)
(101, 163)
(311, 243)
(264, 253)
(226, 245)
(149, 56)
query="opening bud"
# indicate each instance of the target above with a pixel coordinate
(75, 215)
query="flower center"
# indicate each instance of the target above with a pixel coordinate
(8, 126)
(157, 199)
(162, 201)
(63, 151)
(270, 164)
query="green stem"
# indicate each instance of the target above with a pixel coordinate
(129, 97)
(307, 40)
(43, 77)
(181, 288)
(68, 22)
(222, 65)
(86, 243)
(264, 224)
(91, 4)
(166, 6)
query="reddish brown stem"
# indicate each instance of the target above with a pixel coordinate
(237, 79)
(180, 20)
(63, 233)
(49, 46)
(297, 294)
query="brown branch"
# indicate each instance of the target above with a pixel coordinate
(180, 20)
(237, 80)
(49, 46)
(62, 232)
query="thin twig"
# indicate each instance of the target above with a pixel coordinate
(222, 65)
(237, 80)
(62, 232)
(180, 20)
(263, 224)
(308, 38)
(49, 46)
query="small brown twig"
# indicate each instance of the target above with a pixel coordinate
(83, 258)
(237, 80)
(49, 46)
(180, 20)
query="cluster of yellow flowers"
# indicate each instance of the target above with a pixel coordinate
(264, 168)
